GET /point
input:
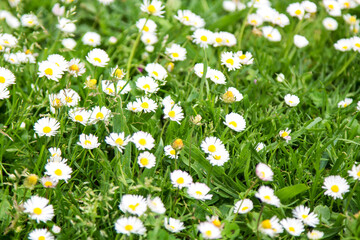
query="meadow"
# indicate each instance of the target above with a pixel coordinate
(179, 119)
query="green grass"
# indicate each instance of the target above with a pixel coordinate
(325, 139)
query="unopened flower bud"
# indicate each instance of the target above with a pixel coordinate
(31, 181)
(177, 144)
(228, 97)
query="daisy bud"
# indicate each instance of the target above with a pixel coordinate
(228, 97)
(170, 66)
(177, 144)
(90, 83)
(30, 181)
(196, 120)
(56, 229)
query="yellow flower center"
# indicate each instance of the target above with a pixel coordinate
(146, 28)
(99, 115)
(128, 227)
(347, 5)
(180, 180)
(266, 224)
(32, 179)
(198, 193)
(118, 73)
(91, 83)
(269, 35)
(172, 152)
(79, 118)
(68, 99)
(142, 142)
(267, 197)
(144, 105)
(298, 12)
(217, 222)
(304, 216)
(233, 123)
(203, 38)
(48, 71)
(284, 134)
(144, 161)
(58, 172)
(253, 21)
(244, 208)
(155, 73)
(175, 55)
(291, 229)
(242, 57)
(27, 51)
(46, 129)
(172, 114)
(146, 86)
(211, 148)
(151, 9)
(48, 184)
(344, 47)
(37, 211)
(186, 18)
(230, 61)
(109, 90)
(335, 188)
(331, 6)
(352, 19)
(74, 67)
(41, 238)
(217, 157)
(2, 79)
(208, 233)
(87, 142)
(91, 40)
(356, 44)
(97, 60)
(119, 141)
(133, 207)
(358, 174)
(218, 40)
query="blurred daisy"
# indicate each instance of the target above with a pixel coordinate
(216, 76)
(133, 107)
(335, 186)
(58, 10)
(209, 231)
(108, 87)
(156, 205)
(291, 100)
(355, 172)
(65, 25)
(219, 158)
(315, 234)
(8, 40)
(303, 213)
(174, 113)
(266, 195)
(330, 24)
(68, 43)
(170, 152)
(176, 52)
(244, 58)
(271, 227)
(232, 95)
(147, 84)
(211, 145)
(88, 141)
(293, 226)
(146, 25)
(243, 206)
(285, 134)
(146, 160)
(146, 104)
(235, 121)
(49, 70)
(230, 61)
(54, 152)
(308, 6)
(272, 34)
(49, 182)
(91, 38)
(296, 10)
(173, 225)
(332, 7)
(76, 68)
(58, 171)
(133, 204)
(153, 7)
(180, 179)
(7, 78)
(199, 191)
(59, 60)
(143, 140)
(343, 45)
(264, 172)
(156, 71)
(203, 37)
(199, 70)
(46, 126)
(117, 73)
(149, 38)
(117, 140)
(122, 87)
(29, 20)
(100, 114)
(98, 57)
(79, 115)
(355, 42)
(345, 103)
(254, 19)
(38, 209)
(69, 97)
(260, 146)
(300, 41)
(4, 92)
(40, 234)
(128, 225)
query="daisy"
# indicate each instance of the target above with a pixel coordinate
(54, 152)
(12, 58)
(266, 195)
(335, 186)
(29, 20)
(189, 18)
(176, 52)
(350, 19)
(271, 227)
(243, 206)
(291, 100)
(108, 87)
(38, 209)
(260, 146)
(40, 234)
(57, 10)
(272, 34)
(149, 38)
(98, 57)
(203, 37)
(216, 76)
(147, 84)
(244, 58)
(209, 231)
(303, 213)
(309, 7)
(147, 160)
(180, 179)
(345, 103)
(170, 152)
(58, 171)
(296, 10)
(315, 234)
(79, 115)
(232, 95)
(117, 140)
(146, 26)
(75, 67)
(332, 7)
(199, 70)
(133, 204)
(264, 172)
(235, 121)
(168, 102)
(88, 141)
(153, 7)
(174, 113)
(128, 225)
(8, 40)
(330, 24)
(65, 25)
(281, 20)
(122, 87)
(59, 60)
(117, 73)
(267, 13)
(49, 182)
(146, 104)
(100, 114)
(91, 38)
(156, 205)
(293, 226)
(143, 140)
(68, 43)
(355, 172)
(229, 39)
(46, 126)
(219, 158)
(254, 19)
(69, 97)
(156, 71)
(300, 41)
(4, 92)
(285, 134)
(199, 191)
(232, 6)
(343, 45)
(50, 70)
(133, 107)
(355, 42)
(211, 145)
(173, 225)
(230, 61)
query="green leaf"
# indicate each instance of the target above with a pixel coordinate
(290, 192)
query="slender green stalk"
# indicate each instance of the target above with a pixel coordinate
(350, 196)
(243, 26)
(346, 64)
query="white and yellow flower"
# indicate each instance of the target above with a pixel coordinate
(80, 115)
(146, 160)
(203, 37)
(355, 172)
(117, 140)
(133, 204)
(199, 191)
(156, 71)
(153, 7)
(335, 186)
(147, 84)
(176, 52)
(264, 172)
(98, 57)
(266, 195)
(58, 171)
(209, 230)
(88, 141)
(293, 226)
(291, 100)
(39, 209)
(180, 179)
(7, 78)
(100, 114)
(173, 225)
(130, 225)
(230, 61)
(345, 103)
(146, 104)
(235, 121)
(143, 140)
(92, 39)
(303, 213)
(243, 206)
(156, 205)
(46, 127)
(271, 227)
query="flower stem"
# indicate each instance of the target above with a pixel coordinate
(243, 26)
(350, 196)
(346, 64)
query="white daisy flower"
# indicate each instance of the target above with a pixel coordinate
(174, 113)
(133, 107)
(156, 205)
(315, 234)
(59, 60)
(168, 102)
(244, 58)
(216, 76)
(98, 57)
(264, 172)
(303, 213)
(100, 114)
(355, 42)
(66, 25)
(271, 227)
(350, 19)
(343, 45)
(330, 24)
(266, 195)
(39, 209)
(69, 97)
(232, 95)
(46, 127)
(176, 52)
(235, 121)
(29, 20)
(291, 100)
(296, 10)
(8, 40)
(88, 141)
(300, 41)
(58, 10)
(128, 225)
(335, 186)
(212, 145)
(293, 226)
(219, 158)
(230, 61)
(173, 225)
(76, 68)
(148, 26)
(143, 140)
(122, 87)
(146, 104)
(260, 146)
(117, 140)
(108, 87)
(40, 234)
(285, 134)
(68, 43)
(153, 7)
(149, 38)
(55, 152)
(243, 206)
(355, 172)
(7, 78)
(4, 92)
(146, 160)
(147, 84)
(332, 7)
(49, 182)
(209, 231)
(203, 37)
(199, 70)
(199, 191)
(79, 115)
(92, 39)
(133, 204)
(170, 152)
(309, 7)
(345, 103)
(50, 70)
(58, 171)
(281, 20)
(254, 19)
(180, 179)
(156, 71)
(272, 34)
